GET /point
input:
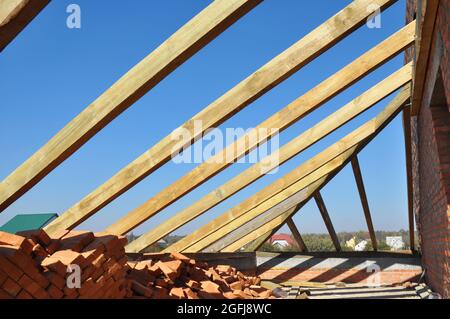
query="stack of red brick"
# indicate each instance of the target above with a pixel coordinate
(177, 276)
(76, 264)
(35, 265)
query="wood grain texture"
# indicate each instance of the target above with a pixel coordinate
(423, 49)
(296, 234)
(15, 15)
(327, 220)
(268, 76)
(294, 147)
(364, 202)
(184, 43)
(280, 120)
(302, 176)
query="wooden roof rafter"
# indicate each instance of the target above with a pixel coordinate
(241, 95)
(364, 202)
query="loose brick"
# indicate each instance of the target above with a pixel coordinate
(190, 294)
(76, 240)
(23, 294)
(69, 257)
(210, 287)
(25, 244)
(55, 279)
(177, 293)
(230, 295)
(193, 284)
(39, 236)
(11, 287)
(33, 288)
(168, 271)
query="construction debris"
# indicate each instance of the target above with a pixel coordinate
(37, 266)
(179, 277)
(78, 264)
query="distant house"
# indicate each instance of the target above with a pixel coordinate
(395, 242)
(281, 240)
(361, 246)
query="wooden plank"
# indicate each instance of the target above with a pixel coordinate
(364, 202)
(268, 76)
(278, 221)
(327, 220)
(424, 39)
(330, 156)
(15, 15)
(184, 43)
(280, 120)
(257, 243)
(409, 181)
(271, 206)
(295, 232)
(294, 147)
(275, 224)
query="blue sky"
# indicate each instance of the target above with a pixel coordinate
(50, 73)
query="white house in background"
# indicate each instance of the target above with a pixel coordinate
(361, 246)
(281, 240)
(395, 242)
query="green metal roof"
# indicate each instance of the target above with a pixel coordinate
(27, 222)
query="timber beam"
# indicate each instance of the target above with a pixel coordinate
(183, 44)
(291, 183)
(294, 147)
(15, 15)
(364, 202)
(327, 220)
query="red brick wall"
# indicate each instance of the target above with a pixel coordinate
(434, 164)
(431, 159)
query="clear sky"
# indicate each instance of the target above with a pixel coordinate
(50, 73)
